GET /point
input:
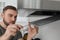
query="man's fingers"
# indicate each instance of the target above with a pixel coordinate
(36, 28)
(29, 24)
(19, 26)
(33, 27)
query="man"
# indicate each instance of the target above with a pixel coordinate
(9, 30)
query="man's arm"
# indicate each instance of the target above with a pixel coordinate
(5, 37)
(11, 30)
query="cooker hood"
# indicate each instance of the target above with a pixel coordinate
(51, 4)
(39, 4)
(45, 13)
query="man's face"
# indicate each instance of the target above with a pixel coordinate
(9, 16)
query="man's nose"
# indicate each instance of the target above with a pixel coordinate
(13, 19)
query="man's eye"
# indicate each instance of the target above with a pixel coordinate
(10, 15)
(15, 16)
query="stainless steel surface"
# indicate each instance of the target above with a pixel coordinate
(46, 20)
(42, 5)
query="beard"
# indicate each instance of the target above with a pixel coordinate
(13, 22)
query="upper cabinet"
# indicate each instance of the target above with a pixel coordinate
(4, 3)
(11, 2)
(39, 4)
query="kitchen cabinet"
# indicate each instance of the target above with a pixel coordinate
(11, 2)
(4, 3)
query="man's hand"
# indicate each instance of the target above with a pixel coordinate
(11, 30)
(32, 32)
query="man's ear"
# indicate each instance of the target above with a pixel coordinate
(2, 15)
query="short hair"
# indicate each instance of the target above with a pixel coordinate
(9, 7)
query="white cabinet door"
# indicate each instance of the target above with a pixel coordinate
(4, 3)
(10, 2)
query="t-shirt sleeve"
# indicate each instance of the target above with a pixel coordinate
(0, 32)
(17, 36)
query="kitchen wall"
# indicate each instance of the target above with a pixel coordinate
(49, 31)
